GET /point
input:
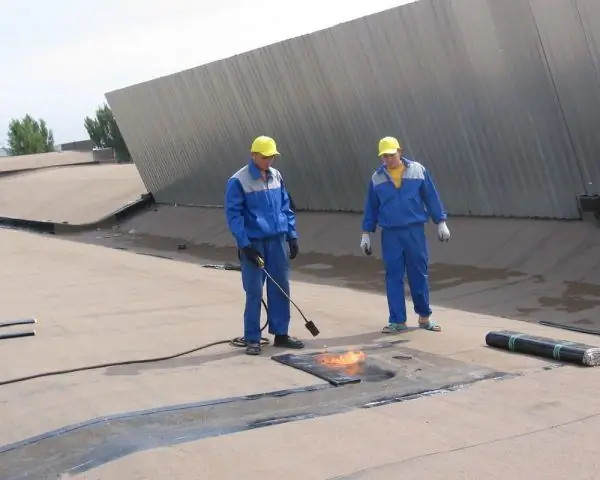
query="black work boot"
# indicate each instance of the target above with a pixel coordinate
(253, 349)
(285, 341)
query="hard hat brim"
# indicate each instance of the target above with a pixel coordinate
(389, 151)
(269, 153)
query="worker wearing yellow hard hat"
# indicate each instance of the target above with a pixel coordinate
(260, 218)
(401, 199)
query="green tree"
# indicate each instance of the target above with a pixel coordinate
(27, 136)
(104, 132)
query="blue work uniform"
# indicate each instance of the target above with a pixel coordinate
(402, 214)
(258, 213)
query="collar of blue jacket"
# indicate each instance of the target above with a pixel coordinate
(255, 171)
(382, 169)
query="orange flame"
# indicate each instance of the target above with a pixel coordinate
(341, 359)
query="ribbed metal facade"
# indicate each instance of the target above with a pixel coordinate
(500, 100)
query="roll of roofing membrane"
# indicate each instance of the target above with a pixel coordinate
(563, 350)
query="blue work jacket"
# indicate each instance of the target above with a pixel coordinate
(256, 209)
(414, 202)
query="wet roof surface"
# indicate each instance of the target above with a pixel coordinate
(551, 273)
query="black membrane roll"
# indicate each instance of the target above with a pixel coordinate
(563, 350)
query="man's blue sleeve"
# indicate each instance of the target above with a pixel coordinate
(234, 212)
(432, 200)
(286, 208)
(371, 214)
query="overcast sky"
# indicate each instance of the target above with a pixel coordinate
(59, 57)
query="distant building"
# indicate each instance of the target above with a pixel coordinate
(78, 146)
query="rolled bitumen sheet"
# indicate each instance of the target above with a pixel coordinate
(563, 350)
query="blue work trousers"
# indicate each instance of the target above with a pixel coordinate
(405, 250)
(274, 252)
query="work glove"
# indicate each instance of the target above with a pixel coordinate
(252, 254)
(365, 243)
(443, 232)
(293, 243)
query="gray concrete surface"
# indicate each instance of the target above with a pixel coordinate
(73, 194)
(98, 304)
(44, 160)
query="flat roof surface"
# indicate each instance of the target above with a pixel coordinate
(73, 194)
(44, 160)
(96, 305)
(532, 270)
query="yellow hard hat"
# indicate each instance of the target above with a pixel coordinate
(266, 146)
(388, 146)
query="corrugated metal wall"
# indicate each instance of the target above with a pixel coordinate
(500, 100)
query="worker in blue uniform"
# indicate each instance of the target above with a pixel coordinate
(259, 216)
(401, 198)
